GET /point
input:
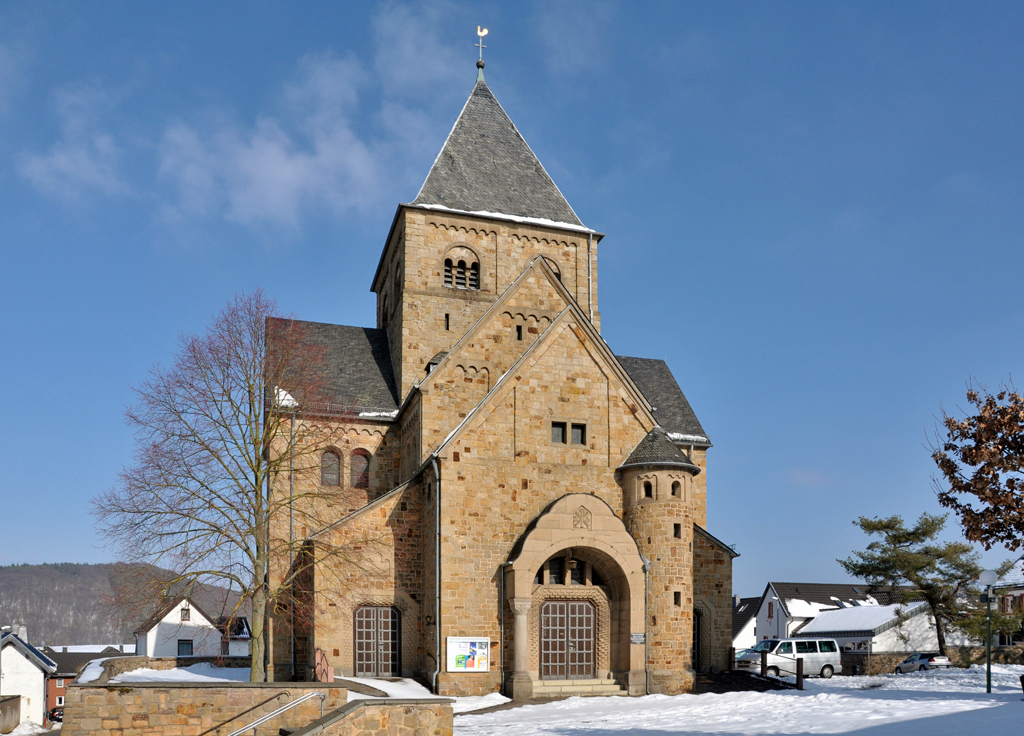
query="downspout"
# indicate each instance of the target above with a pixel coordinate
(291, 534)
(590, 278)
(437, 572)
(647, 624)
(501, 613)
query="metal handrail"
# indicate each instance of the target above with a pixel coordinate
(260, 721)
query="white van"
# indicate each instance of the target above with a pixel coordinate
(821, 657)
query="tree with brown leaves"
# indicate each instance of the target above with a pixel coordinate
(981, 461)
(220, 436)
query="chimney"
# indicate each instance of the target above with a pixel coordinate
(65, 650)
(120, 648)
(23, 633)
(735, 601)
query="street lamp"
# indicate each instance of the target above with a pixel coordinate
(988, 578)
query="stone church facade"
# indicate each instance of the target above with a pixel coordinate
(538, 504)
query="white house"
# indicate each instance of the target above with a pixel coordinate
(881, 629)
(785, 607)
(1009, 594)
(23, 671)
(181, 628)
(744, 621)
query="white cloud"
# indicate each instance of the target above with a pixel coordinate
(325, 146)
(85, 157)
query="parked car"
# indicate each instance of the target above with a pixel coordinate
(923, 661)
(56, 715)
(820, 656)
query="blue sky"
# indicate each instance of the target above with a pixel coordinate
(813, 214)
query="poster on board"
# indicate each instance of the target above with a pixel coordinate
(469, 653)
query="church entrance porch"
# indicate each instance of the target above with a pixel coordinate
(377, 642)
(567, 640)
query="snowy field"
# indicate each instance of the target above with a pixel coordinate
(919, 704)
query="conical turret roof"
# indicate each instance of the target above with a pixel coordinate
(486, 166)
(658, 450)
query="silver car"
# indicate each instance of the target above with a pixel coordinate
(923, 661)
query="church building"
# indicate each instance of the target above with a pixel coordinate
(530, 507)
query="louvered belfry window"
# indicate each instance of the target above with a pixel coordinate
(474, 277)
(447, 271)
(460, 275)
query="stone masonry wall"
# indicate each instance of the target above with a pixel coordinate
(119, 665)
(188, 709)
(503, 470)
(396, 717)
(503, 248)
(655, 523)
(712, 586)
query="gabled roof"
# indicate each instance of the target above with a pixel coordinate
(69, 664)
(670, 407)
(860, 620)
(715, 541)
(32, 654)
(808, 599)
(486, 167)
(742, 613)
(657, 449)
(358, 375)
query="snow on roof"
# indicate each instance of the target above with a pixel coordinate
(857, 618)
(806, 609)
(542, 221)
(1014, 578)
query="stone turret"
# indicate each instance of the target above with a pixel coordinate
(657, 480)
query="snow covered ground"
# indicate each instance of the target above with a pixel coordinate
(407, 688)
(927, 703)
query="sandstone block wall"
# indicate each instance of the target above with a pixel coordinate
(712, 586)
(119, 665)
(395, 717)
(189, 709)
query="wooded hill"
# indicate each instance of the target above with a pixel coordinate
(63, 603)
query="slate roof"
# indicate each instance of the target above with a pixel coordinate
(657, 449)
(69, 664)
(358, 375)
(742, 613)
(671, 409)
(485, 165)
(825, 592)
(35, 656)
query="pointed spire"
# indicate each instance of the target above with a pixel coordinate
(486, 166)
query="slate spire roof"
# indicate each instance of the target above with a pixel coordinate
(657, 449)
(487, 166)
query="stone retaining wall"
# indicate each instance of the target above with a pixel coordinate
(119, 665)
(860, 663)
(393, 717)
(189, 708)
(10, 713)
(966, 656)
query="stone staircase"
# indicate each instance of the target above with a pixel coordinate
(734, 681)
(568, 688)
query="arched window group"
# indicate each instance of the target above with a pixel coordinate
(359, 469)
(460, 275)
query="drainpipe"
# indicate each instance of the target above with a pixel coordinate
(647, 624)
(590, 278)
(291, 534)
(501, 612)
(437, 571)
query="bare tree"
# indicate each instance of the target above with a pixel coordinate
(218, 435)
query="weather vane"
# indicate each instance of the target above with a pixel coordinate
(481, 32)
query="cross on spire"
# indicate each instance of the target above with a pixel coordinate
(480, 32)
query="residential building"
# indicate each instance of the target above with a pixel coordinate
(785, 607)
(744, 622)
(23, 671)
(182, 628)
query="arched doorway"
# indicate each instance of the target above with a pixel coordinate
(575, 584)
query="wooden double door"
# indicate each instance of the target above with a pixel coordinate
(378, 642)
(567, 640)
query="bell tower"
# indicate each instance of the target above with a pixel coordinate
(486, 209)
